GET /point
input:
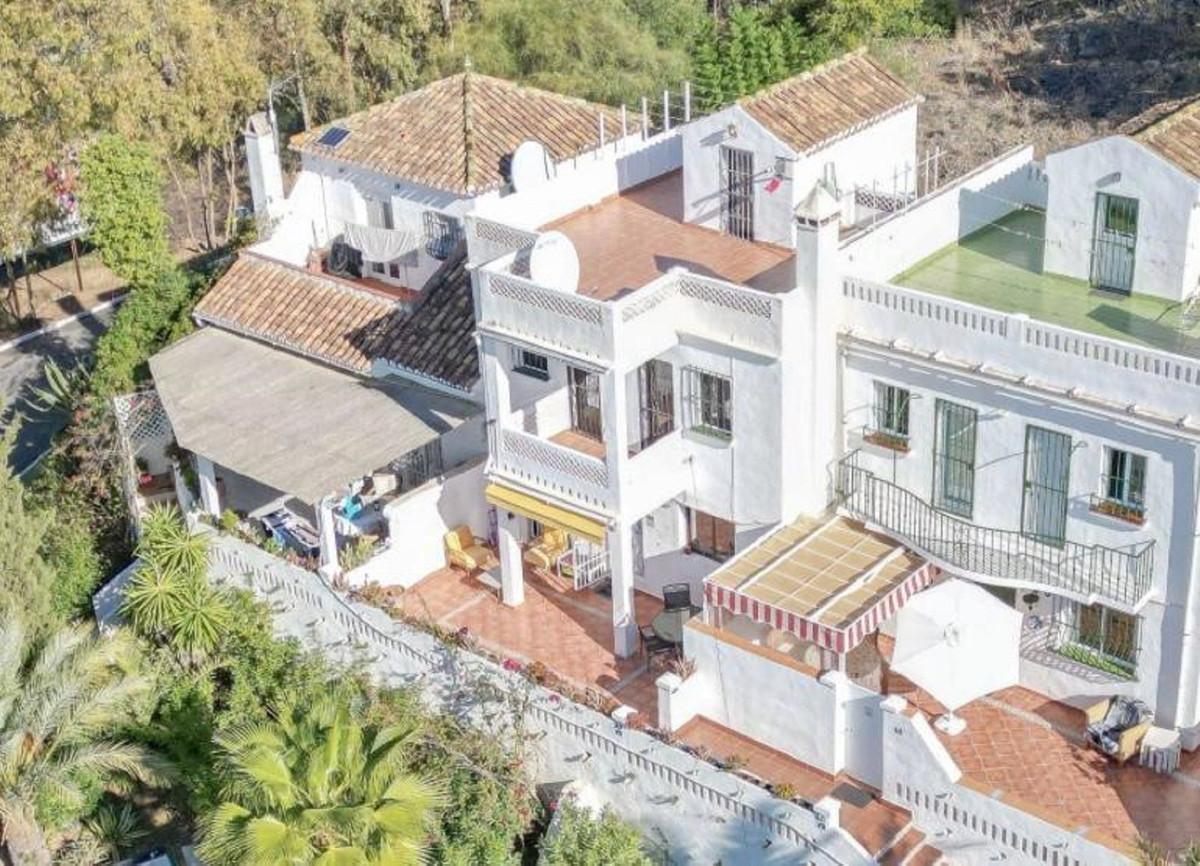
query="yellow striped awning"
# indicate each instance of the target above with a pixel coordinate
(571, 522)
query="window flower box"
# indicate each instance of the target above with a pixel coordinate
(1124, 511)
(884, 439)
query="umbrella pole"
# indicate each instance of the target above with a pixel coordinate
(950, 724)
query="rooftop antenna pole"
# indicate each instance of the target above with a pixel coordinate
(687, 101)
(600, 121)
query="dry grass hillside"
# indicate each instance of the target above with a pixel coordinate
(1048, 72)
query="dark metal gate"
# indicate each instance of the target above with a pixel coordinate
(954, 458)
(656, 402)
(737, 192)
(1115, 241)
(1047, 479)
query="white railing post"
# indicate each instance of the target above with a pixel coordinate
(666, 110)
(687, 101)
(624, 120)
(645, 117)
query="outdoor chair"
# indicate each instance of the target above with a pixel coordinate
(677, 596)
(465, 550)
(652, 644)
(545, 550)
(1117, 725)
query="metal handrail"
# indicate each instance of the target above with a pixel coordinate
(1085, 571)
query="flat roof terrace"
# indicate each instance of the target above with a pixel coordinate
(1000, 267)
(630, 239)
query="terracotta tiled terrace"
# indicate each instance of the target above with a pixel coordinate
(1030, 750)
(880, 828)
(630, 239)
(568, 631)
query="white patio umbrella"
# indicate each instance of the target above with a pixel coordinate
(958, 642)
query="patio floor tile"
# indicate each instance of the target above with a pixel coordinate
(570, 632)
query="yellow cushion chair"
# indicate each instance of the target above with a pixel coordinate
(464, 550)
(544, 552)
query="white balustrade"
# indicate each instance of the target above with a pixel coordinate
(1102, 367)
(554, 468)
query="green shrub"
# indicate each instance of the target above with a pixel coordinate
(582, 840)
(75, 564)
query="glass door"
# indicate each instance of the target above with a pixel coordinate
(1114, 243)
(1047, 477)
(584, 391)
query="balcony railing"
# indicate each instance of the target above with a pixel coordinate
(1087, 573)
(552, 467)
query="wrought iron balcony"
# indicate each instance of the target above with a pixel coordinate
(1120, 577)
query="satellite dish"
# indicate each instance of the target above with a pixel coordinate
(554, 263)
(530, 166)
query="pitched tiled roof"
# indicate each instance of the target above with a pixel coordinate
(308, 313)
(1172, 130)
(826, 103)
(458, 133)
(437, 338)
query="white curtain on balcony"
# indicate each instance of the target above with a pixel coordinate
(379, 244)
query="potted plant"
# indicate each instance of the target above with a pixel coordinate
(144, 477)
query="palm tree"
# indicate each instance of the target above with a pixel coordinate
(169, 597)
(318, 787)
(62, 698)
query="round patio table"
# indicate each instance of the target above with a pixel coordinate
(668, 625)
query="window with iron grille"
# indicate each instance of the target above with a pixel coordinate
(708, 403)
(418, 466)
(1099, 637)
(441, 234)
(711, 536)
(954, 458)
(531, 364)
(737, 192)
(889, 417)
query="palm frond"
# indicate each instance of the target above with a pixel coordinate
(110, 757)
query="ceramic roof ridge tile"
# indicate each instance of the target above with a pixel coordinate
(1172, 130)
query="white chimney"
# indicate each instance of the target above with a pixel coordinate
(262, 161)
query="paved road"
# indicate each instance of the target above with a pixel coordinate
(22, 368)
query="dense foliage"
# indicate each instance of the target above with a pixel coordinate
(580, 839)
(122, 203)
(64, 698)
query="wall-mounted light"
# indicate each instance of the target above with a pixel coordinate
(731, 130)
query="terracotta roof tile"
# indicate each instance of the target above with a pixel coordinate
(810, 110)
(308, 313)
(437, 338)
(458, 133)
(1172, 130)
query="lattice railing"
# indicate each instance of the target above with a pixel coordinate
(141, 417)
(488, 240)
(524, 292)
(562, 461)
(724, 295)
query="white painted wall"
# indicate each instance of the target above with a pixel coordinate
(774, 703)
(969, 203)
(869, 154)
(418, 520)
(1003, 414)
(585, 180)
(1168, 221)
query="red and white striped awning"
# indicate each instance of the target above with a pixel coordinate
(839, 639)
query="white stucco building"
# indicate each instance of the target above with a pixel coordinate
(767, 354)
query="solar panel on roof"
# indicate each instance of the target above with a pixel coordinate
(333, 136)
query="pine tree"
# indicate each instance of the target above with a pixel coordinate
(708, 88)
